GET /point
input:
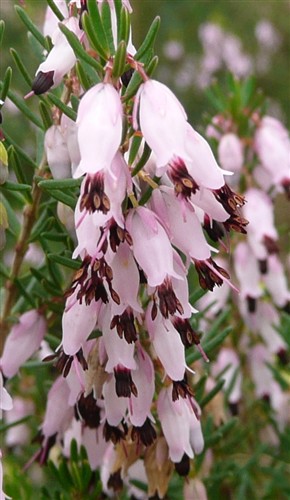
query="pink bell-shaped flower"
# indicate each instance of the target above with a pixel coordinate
(262, 234)
(99, 124)
(230, 152)
(272, 144)
(22, 342)
(57, 154)
(59, 61)
(78, 321)
(166, 133)
(180, 425)
(151, 246)
(58, 413)
(167, 345)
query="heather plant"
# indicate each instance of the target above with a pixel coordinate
(125, 358)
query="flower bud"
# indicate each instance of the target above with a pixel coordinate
(3, 164)
(230, 153)
(57, 154)
(3, 225)
(23, 340)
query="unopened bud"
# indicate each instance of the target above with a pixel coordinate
(3, 164)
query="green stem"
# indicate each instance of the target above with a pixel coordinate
(29, 218)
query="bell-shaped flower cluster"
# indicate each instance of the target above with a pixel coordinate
(257, 265)
(127, 318)
(125, 387)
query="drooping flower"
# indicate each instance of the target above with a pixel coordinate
(151, 246)
(22, 342)
(228, 363)
(180, 425)
(50, 20)
(57, 154)
(99, 123)
(167, 345)
(6, 402)
(262, 234)
(166, 133)
(272, 144)
(59, 61)
(230, 152)
(78, 321)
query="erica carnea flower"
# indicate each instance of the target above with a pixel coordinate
(99, 124)
(27, 333)
(59, 61)
(272, 144)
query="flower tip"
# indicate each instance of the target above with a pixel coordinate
(30, 94)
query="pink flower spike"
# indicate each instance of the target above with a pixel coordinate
(27, 333)
(99, 124)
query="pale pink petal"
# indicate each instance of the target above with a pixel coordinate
(206, 200)
(185, 228)
(174, 418)
(6, 402)
(78, 322)
(167, 344)
(202, 165)
(118, 350)
(58, 413)
(57, 154)
(123, 266)
(116, 182)
(99, 124)
(166, 133)
(115, 407)
(247, 271)
(143, 379)
(151, 246)
(230, 152)
(27, 333)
